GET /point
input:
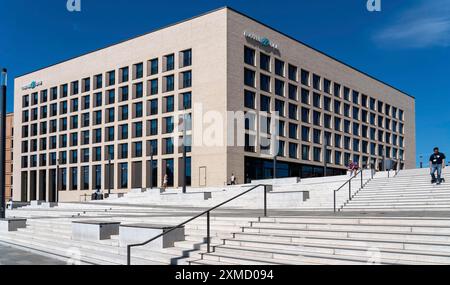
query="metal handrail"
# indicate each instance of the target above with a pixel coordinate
(349, 182)
(207, 213)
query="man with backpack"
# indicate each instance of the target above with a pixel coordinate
(437, 163)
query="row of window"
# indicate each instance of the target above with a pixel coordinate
(168, 106)
(307, 115)
(74, 178)
(293, 132)
(318, 84)
(317, 152)
(86, 155)
(84, 137)
(123, 93)
(168, 63)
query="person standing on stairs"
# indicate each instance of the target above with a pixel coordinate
(437, 163)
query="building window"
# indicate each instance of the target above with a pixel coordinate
(293, 92)
(74, 88)
(86, 85)
(168, 146)
(279, 67)
(111, 78)
(170, 62)
(64, 90)
(292, 72)
(265, 83)
(73, 178)
(293, 131)
(279, 87)
(138, 90)
(124, 74)
(305, 115)
(293, 111)
(249, 56)
(123, 110)
(170, 83)
(187, 79)
(138, 110)
(98, 81)
(123, 174)
(153, 127)
(317, 153)
(305, 77)
(279, 107)
(186, 58)
(265, 103)
(137, 130)
(123, 131)
(249, 77)
(138, 70)
(305, 152)
(168, 121)
(169, 104)
(154, 66)
(249, 99)
(137, 149)
(264, 62)
(187, 101)
(153, 86)
(293, 150)
(123, 151)
(305, 134)
(154, 107)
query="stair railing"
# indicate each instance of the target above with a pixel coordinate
(267, 188)
(349, 183)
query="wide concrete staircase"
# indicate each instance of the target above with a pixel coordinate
(410, 190)
(392, 220)
(336, 240)
(49, 232)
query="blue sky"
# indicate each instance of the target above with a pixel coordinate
(407, 44)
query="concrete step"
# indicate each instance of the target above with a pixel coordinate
(330, 245)
(368, 220)
(281, 227)
(306, 255)
(353, 233)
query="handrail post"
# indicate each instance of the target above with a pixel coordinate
(334, 200)
(208, 232)
(350, 189)
(265, 201)
(362, 183)
(128, 255)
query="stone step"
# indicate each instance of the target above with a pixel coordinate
(365, 241)
(354, 233)
(368, 220)
(354, 248)
(305, 254)
(203, 262)
(281, 227)
(400, 203)
(396, 207)
(67, 253)
(245, 260)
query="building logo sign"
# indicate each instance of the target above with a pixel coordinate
(265, 42)
(32, 85)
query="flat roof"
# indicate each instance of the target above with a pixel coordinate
(240, 13)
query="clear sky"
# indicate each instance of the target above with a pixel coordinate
(407, 44)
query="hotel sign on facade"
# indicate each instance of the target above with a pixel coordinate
(32, 85)
(265, 42)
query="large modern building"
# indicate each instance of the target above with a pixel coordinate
(109, 119)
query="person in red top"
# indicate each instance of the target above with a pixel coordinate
(353, 167)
